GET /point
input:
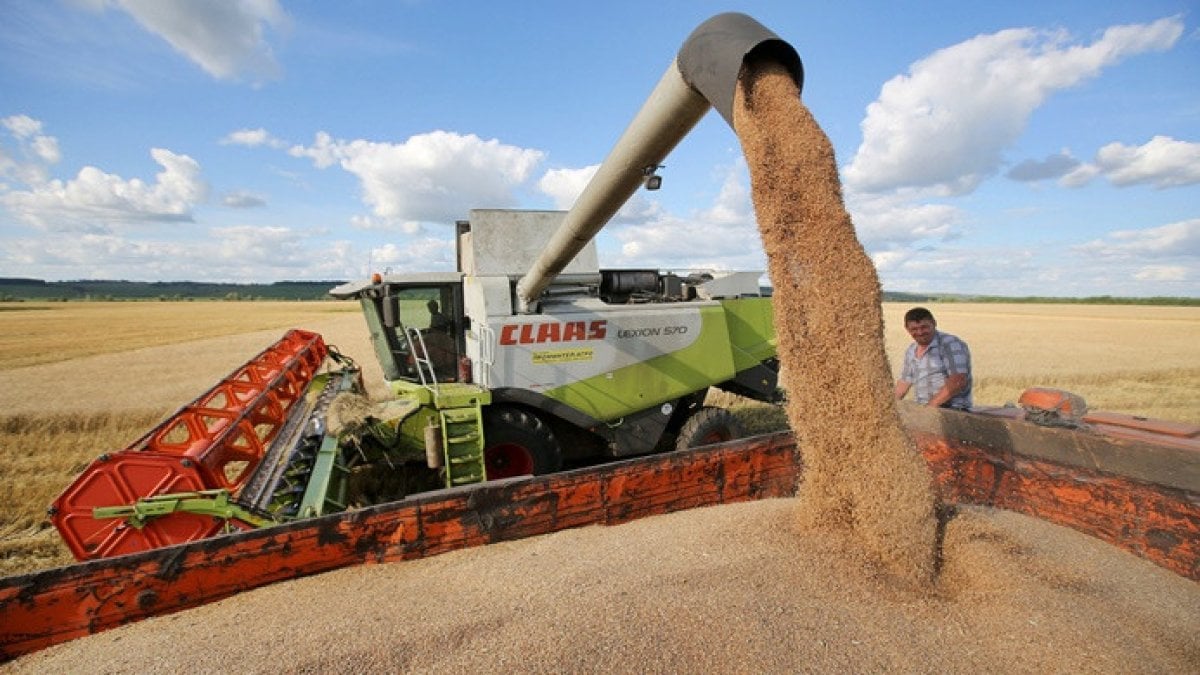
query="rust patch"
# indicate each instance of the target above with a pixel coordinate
(329, 534)
(1162, 540)
(146, 600)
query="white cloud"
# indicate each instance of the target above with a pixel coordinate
(944, 126)
(243, 254)
(883, 221)
(22, 126)
(944, 264)
(46, 149)
(94, 256)
(227, 39)
(94, 199)
(1151, 261)
(252, 244)
(35, 152)
(689, 243)
(1081, 176)
(1163, 162)
(256, 253)
(723, 236)
(887, 261)
(1180, 239)
(1163, 273)
(733, 205)
(980, 270)
(416, 255)
(324, 152)
(565, 185)
(240, 199)
(367, 222)
(253, 138)
(433, 177)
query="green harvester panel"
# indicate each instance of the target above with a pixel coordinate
(215, 503)
(327, 485)
(326, 491)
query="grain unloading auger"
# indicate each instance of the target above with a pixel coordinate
(548, 355)
(528, 357)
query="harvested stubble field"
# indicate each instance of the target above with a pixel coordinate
(1005, 601)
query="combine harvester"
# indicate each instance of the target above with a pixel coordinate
(517, 364)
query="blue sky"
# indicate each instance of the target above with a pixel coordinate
(1016, 148)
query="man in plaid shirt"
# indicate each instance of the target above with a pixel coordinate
(937, 365)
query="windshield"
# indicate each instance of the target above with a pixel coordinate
(425, 340)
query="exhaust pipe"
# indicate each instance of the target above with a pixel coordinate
(704, 74)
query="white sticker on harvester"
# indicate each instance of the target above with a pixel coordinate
(563, 355)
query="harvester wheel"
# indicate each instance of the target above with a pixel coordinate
(518, 443)
(709, 425)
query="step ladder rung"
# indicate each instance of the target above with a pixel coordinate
(462, 446)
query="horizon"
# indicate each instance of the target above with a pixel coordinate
(916, 296)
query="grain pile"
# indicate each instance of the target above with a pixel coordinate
(733, 588)
(863, 477)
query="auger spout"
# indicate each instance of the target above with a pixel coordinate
(703, 74)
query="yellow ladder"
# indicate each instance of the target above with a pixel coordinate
(462, 443)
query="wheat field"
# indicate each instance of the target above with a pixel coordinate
(79, 379)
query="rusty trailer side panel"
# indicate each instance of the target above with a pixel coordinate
(1157, 523)
(45, 608)
(1143, 498)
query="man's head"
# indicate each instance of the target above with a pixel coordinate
(920, 324)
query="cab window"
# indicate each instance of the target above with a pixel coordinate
(426, 328)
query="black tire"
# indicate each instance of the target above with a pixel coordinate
(709, 425)
(518, 443)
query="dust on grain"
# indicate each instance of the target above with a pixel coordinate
(863, 477)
